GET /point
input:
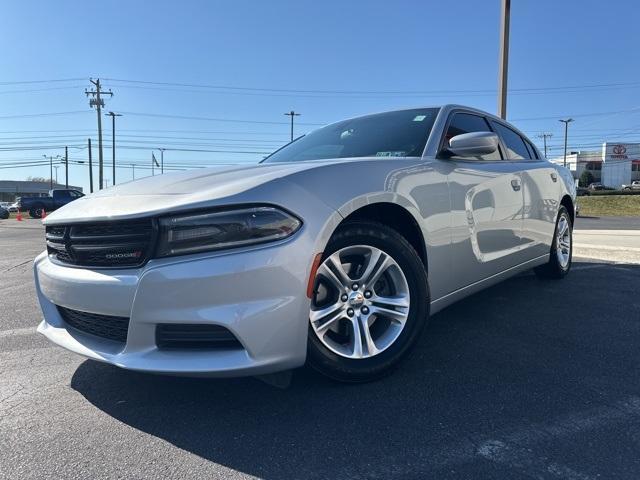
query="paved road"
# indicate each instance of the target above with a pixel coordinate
(607, 223)
(529, 379)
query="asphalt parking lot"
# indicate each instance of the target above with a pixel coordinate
(529, 379)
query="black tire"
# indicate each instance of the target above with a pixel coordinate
(36, 211)
(4, 214)
(368, 369)
(553, 268)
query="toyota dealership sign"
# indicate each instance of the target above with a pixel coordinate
(617, 159)
(621, 151)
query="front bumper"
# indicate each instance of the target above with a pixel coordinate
(257, 294)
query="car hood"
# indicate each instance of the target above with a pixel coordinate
(188, 189)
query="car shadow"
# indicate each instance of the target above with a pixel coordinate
(516, 355)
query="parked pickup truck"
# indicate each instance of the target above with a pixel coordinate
(635, 185)
(36, 206)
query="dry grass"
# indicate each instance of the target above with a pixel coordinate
(611, 205)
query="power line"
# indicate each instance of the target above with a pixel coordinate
(33, 90)
(22, 82)
(211, 119)
(579, 115)
(50, 114)
(34, 140)
(386, 92)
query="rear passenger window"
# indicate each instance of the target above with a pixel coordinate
(516, 148)
(532, 150)
(468, 123)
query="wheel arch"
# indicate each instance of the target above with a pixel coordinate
(567, 203)
(395, 216)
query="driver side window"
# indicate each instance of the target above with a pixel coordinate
(468, 123)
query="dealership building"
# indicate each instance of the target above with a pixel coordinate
(615, 165)
(11, 189)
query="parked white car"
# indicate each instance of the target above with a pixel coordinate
(334, 250)
(11, 207)
(635, 185)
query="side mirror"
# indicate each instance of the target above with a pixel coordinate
(473, 144)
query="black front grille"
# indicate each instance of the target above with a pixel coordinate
(103, 326)
(104, 244)
(194, 336)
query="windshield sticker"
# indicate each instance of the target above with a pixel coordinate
(398, 153)
(419, 118)
(346, 133)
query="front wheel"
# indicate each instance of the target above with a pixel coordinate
(560, 259)
(370, 302)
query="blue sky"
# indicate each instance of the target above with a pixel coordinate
(444, 51)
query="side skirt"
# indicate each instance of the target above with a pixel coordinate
(448, 299)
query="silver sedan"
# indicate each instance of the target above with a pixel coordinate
(334, 250)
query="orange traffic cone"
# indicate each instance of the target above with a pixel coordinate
(19, 216)
(44, 214)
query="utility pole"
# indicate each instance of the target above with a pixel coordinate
(90, 166)
(51, 157)
(162, 159)
(503, 65)
(153, 161)
(66, 168)
(292, 114)
(56, 168)
(133, 171)
(566, 129)
(97, 101)
(113, 142)
(544, 137)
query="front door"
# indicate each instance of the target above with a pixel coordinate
(486, 208)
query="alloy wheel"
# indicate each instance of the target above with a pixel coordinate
(361, 302)
(563, 241)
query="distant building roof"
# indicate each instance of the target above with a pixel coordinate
(30, 188)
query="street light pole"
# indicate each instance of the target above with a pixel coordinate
(566, 130)
(503, 65)
(162, 159)
(51, 157)
(66, 168)
(90, 166)
(113, 143)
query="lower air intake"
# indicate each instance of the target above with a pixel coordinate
(174, 336)
(103, 326)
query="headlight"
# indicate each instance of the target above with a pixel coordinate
(199, 232)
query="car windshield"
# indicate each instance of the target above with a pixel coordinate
(392, 134)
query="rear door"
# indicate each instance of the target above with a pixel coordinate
(542, 186)
(486, 207)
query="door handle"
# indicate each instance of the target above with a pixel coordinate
(515, 184)
(554, 176)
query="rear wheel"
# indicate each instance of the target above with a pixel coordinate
(369, 304)
(559, 262)
(36, 211)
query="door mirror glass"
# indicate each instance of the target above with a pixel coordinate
(474, 144)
